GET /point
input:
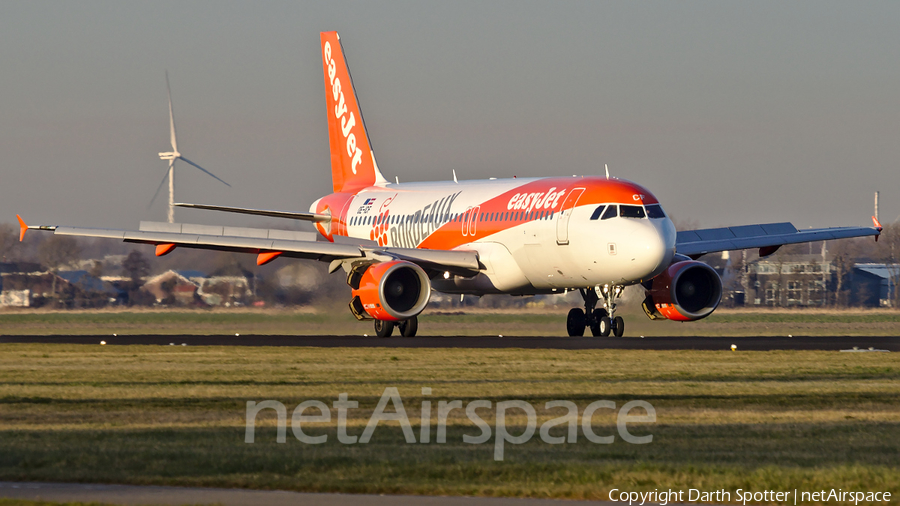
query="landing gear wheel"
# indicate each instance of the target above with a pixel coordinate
(384, 328)
(598, 314)
(604, 326)
(409, 327)
(618, 326)
(575, 322)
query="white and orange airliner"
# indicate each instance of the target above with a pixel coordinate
(399, 241)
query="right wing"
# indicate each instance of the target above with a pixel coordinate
(767, 237)
(269, 244)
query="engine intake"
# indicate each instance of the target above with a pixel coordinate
(391, 291)
(685, 291)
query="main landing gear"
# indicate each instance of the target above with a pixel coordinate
(408, 328)
(601, 321)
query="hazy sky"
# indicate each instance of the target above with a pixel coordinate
(730, 112)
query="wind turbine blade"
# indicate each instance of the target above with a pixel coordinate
(171, 115)
(161, 184)
(204, 170)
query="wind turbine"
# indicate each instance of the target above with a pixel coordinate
(173, 155)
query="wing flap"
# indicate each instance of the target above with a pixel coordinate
(460, 262)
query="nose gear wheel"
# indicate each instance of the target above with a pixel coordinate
(601, 321)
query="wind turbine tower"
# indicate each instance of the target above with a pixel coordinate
(173, 155)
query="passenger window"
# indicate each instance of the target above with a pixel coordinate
(597, 212)
(611, 212)
(655, 211)
(632, 211)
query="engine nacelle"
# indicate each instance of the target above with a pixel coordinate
(685, 291)
(391, 291)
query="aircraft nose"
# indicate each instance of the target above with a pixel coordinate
(653, 248)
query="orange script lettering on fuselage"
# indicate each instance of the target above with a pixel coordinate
(537, 200)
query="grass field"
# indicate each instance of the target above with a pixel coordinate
(176, 416)
(338, 321)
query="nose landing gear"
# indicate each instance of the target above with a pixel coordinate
(601, 321)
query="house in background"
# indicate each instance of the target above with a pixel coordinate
(26, 284)
(93, 287)
(874, 284)
(171, 288)
(194, 287)
(789, 280)
(225, 291)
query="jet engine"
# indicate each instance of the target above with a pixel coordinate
(685, 291)
(391, 291)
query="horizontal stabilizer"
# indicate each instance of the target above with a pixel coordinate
(260, 212)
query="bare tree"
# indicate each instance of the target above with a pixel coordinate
(8, 241)
(136, 267)
(843, 257)
(96, 269)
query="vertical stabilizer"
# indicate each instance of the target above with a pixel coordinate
(352, 159)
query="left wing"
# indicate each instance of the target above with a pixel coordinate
(260, 212)
(767, 237)
(269, 244)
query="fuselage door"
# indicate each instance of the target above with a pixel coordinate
(473, 219)
(565, 212)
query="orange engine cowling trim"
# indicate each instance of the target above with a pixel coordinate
(392, 291)
(686, 291)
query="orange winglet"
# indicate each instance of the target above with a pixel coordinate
(265, 257)
(22, 228)
(878, 227)
(164, 249)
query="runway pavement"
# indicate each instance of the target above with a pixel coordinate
(762, 343)
(140, 495)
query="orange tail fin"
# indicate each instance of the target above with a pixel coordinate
(352, 159)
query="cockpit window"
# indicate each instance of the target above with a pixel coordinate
(611, 212)
(655, 211)
(598, 212)
(632, 211)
